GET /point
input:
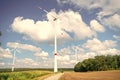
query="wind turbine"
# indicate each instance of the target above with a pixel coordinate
(76, 53)
(55, 42)
(13, 64)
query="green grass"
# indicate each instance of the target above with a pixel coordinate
(27, 73)
(23, 75)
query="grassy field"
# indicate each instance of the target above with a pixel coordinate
(100, 75)
(23, 75)
(28, 73)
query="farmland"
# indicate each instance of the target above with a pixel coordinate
(27, 73)
(97, 75)
(23, 75)
(69, 74)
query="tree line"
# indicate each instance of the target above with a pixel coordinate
(99, 63)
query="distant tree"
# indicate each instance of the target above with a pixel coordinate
(77, 67)
(80, 67)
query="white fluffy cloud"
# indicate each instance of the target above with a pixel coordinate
(109, 13)
(97, 45)
(64, 58)
(113, 21)
(87, 4)
(95, 25)
(111, 51)
(106, 5)
(72, 22)
(2, 63)
(28, 63)
(42, 31)
(23, 46)
(39, 31)
(90, 4)
(64, 51)
(116, 37)
(5, 53)
(43, 55)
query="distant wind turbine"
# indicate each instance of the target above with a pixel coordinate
(55, 41)
(13, 64)
(76, 53)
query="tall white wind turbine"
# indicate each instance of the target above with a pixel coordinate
(55, 42)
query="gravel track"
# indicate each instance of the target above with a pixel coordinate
(54, 77)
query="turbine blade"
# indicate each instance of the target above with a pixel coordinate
(47, 13)
(43, 9)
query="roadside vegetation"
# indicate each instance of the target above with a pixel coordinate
(99, 63)
(23, 75)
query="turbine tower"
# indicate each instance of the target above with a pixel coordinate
(55, 41)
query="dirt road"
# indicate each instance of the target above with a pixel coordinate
(54, 77)
(100, 75)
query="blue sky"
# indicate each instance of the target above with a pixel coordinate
(86, 27)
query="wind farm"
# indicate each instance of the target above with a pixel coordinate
(59, 39)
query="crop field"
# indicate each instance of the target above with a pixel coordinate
(98, 75)
(28, 73)
(23, 75)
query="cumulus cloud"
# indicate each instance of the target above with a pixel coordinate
(111, 6)
(23, 46)
(91, 4)
(28, 63)
(106, 5)
(64, 51)
(97, 45)
(111, 51)
(38, 31)
(68, 22)
(64, 58)
(113, 21)
(109, 9)
(96, 26)
(2, 63)
(43, 55)
(87, 4)
(72, 22)
(116, 37)
(5, 53)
